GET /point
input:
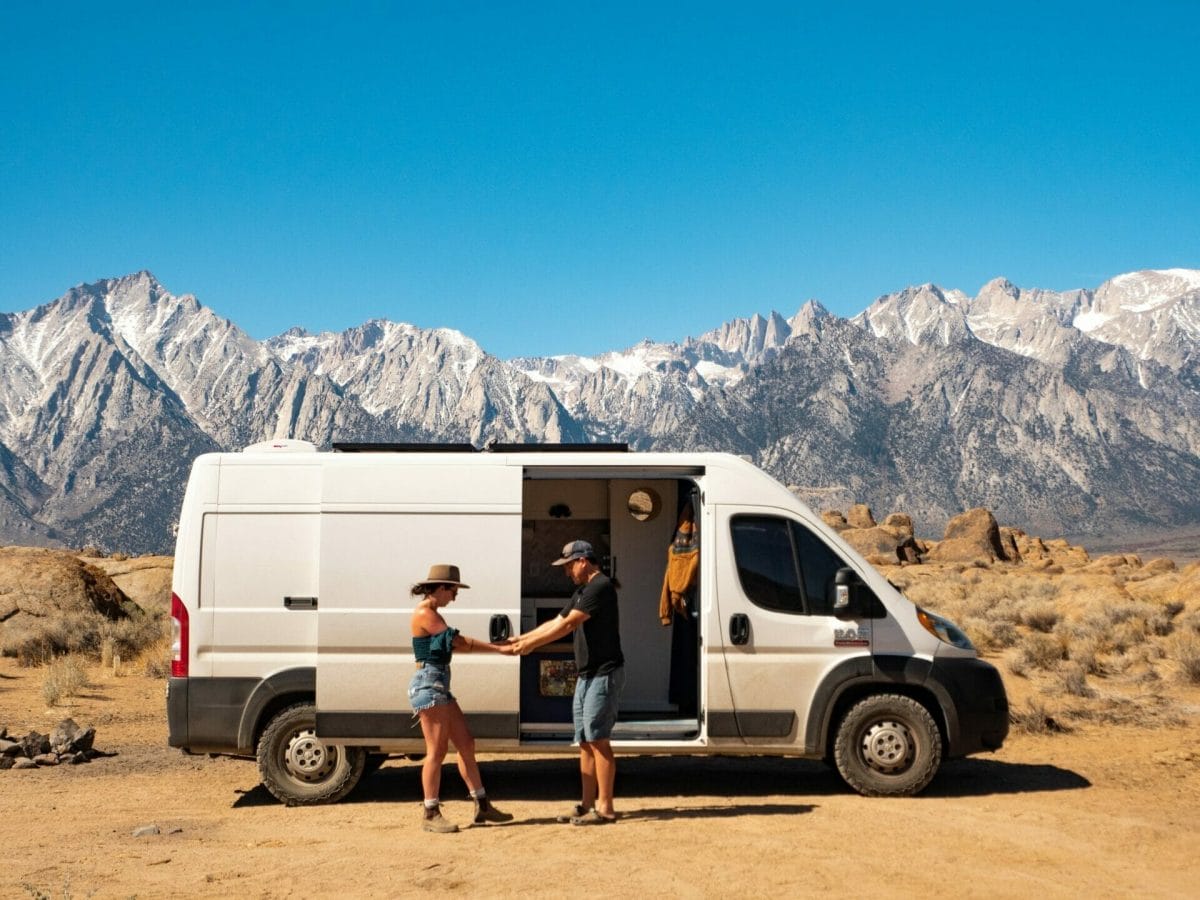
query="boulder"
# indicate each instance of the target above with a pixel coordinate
(882, 545)
(146, 580)
(860, 516)
(82, 742)
(1008, 542)
(971, 537)
(52, 600)
(834, 519)
(1160, 565)
(35, 744)
(901, 522)
(62, 735)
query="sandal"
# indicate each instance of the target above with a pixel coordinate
(568, 818)
(591, 817)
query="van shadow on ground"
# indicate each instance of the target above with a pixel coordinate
(735, 780)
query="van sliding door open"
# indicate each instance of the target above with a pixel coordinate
(629, 516)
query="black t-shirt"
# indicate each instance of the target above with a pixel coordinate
(598, 640)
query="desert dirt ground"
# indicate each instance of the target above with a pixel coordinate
(1105, 811)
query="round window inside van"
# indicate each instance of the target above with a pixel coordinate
(644, 504)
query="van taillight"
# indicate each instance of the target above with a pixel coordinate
(179, 638)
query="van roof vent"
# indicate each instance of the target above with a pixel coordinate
(282, 445)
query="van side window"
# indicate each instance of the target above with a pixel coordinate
(766, 562)
(819, 565)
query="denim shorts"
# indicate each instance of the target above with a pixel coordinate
(597, 698)
(430, 686)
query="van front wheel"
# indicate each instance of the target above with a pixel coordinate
(888, 746)
(299, 768)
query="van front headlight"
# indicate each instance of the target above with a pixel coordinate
(944, 630)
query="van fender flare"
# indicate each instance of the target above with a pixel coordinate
(864, 675)
(286, 685)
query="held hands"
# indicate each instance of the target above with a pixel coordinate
(515, 646)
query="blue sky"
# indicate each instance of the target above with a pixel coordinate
(573, 177)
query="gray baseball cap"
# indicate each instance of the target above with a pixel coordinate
(574, 550)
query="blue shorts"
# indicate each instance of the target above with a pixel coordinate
(430, 687)
(595, 708)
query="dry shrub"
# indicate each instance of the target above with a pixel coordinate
(1038, 615)
(991, 634)
(1037, 651)
(938, 594)
(1086, 652)
(129, 638)
(1185, 650)
(1073, 679)
(1033, 718)
(38, 642)
(66, 677)
(1128, 634)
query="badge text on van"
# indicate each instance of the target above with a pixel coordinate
(859, 636)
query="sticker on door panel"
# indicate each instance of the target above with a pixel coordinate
(852, 637)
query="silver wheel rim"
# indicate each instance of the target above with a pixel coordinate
(888, 747)
(307, 758)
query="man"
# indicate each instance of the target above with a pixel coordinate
(593, 617)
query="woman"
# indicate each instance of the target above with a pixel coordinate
(442, 720)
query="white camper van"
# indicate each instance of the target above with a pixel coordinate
(291, 605)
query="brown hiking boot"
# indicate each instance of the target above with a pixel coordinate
(434, 821)
(485, 812)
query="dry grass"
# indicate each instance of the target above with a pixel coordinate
(40, 641)
(65, 677)
(1187, 655)
(1099, 643)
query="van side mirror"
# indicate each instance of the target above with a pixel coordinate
(852, 599)
(843, 582)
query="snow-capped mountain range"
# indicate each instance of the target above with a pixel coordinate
(1074, 412)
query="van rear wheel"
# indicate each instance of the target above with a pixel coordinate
(888, 745)
(299, 768)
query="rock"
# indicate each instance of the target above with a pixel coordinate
(1008, 541)
(83, 741)
(834, 519)
(6, 762)
(52, 599)
(146, 831)
(11, 748)
(34, 744)
(860, 516)
(46, 759)
(1112, 561)
(901, 522)
(971, 537)
(1160, 565)
(62, 735)
(23, 762)
(881, 545)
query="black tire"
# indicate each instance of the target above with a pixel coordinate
(299, 768)
(887, 745)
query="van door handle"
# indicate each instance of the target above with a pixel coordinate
(499, 629)
(300, 602)
(739, 628)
